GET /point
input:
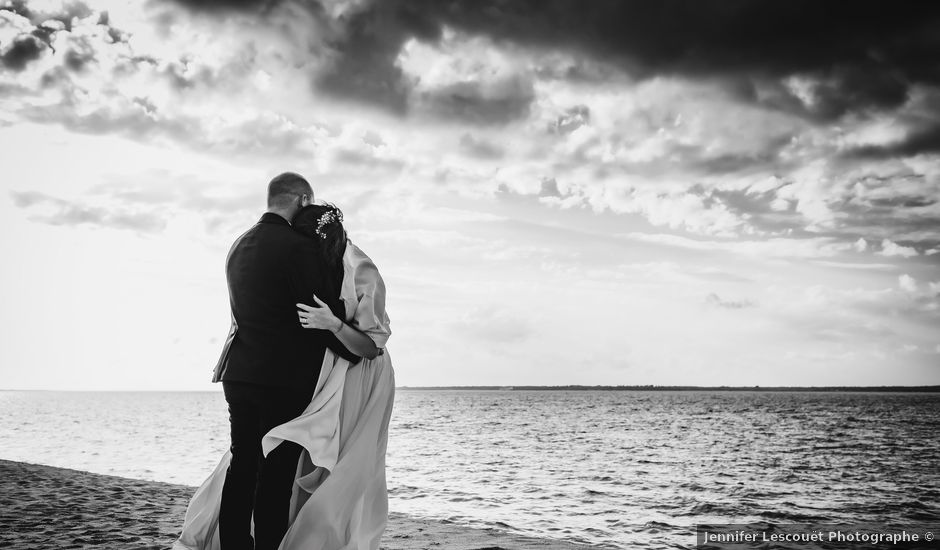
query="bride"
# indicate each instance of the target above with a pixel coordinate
(339, 498)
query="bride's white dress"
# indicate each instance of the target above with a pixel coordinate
(340, 500)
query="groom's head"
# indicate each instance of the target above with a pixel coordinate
(288, 193)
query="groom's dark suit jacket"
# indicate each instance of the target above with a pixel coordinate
(270, 269)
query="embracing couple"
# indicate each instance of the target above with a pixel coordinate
(309, 388)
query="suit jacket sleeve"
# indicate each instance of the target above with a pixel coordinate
(339, 349)
(223, 359)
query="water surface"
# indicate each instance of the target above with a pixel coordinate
(621, 468)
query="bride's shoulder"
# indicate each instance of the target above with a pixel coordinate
(356, 258)
(364, 271)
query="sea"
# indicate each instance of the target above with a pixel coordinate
(613, 469)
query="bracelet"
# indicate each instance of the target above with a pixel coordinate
(340, 329)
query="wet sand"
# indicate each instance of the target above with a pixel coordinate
(42, 507)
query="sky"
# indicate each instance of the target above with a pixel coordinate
(556, 192)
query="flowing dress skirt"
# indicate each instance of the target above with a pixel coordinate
(340, 499)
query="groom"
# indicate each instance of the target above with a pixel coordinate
(269, 364)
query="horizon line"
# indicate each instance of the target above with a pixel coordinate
(922, 387)
(572, 387)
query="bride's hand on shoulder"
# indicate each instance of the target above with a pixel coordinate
(318, 317)
(322, 318)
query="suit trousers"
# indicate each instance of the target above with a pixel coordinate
(256, 486)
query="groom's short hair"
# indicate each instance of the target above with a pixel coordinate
(284, 188)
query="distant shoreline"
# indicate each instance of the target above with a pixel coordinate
(881, 389)
(817, 389)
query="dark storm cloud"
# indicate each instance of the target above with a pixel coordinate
(365, 67)
(855, 56)
(229, 5)
(860, 55)
(25, 48)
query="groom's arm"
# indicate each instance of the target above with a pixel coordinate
(338, 348)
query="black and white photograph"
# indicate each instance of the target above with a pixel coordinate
(469, 274)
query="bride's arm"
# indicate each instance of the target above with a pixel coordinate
(322, 318)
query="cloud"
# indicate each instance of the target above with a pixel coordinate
(890, 249)
(915, 298)
(903, 306)
(682, 210)
(54, 211)
(480, 148)
(918, 141)
(571, 119)
(907, 283)
(462, 78)
(22, 50)
(862, 266)
(477, 102)
(363, 65)
(549, 188)
(816, 247)
(249, 132)
(190, 83)
(136, 102)
(854, 201)
(40, 26)
(714, 300)
(228, 5)
(42, 13)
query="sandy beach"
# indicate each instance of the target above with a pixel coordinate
(42, 507)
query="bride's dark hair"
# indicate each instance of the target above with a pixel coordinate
(324, 224)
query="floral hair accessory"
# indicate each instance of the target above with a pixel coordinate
(328, 217)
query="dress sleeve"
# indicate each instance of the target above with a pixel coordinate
(370, 316)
